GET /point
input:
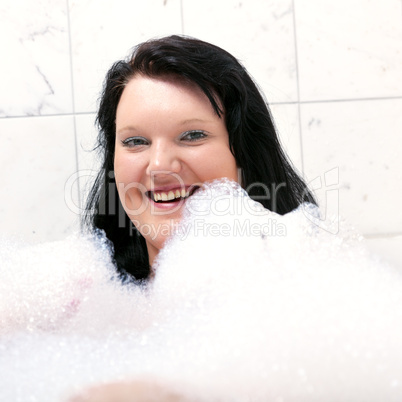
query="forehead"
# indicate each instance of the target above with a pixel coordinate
(150, 97)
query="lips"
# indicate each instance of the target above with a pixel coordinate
(171, 195)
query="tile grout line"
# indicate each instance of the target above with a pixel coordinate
(182, 16)
(73, 98)
(298, 87)
(352, 99)
(27, 116)
(370, 236)
(270, 103)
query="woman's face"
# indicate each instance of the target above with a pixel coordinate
(169, 141)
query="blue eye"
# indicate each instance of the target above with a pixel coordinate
(194, 135)
(135, 142)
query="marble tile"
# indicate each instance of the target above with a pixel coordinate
(349, 49)
(37, 157)
(89, 161)
(286, 118)
(104, 32)
(259, 33)
(361, 141)
(35, 69)
(388, 249)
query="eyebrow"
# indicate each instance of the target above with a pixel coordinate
(183, 122)
(195, 120)
(127, 128)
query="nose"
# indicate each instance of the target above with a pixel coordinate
(163, 159)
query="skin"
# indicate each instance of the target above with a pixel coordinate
(133, 391)
(168, 137)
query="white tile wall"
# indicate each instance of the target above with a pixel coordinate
(260, 33)
(349, 49)
(331, 71)
(89, 161)
(37, 157)
(103, 32)
(35, 64)
(287, 124)
(363, 139)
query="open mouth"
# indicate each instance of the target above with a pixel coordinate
(174, 195)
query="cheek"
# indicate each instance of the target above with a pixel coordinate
(232, 170)
(131, 198)
(128, 182)
(219, 163)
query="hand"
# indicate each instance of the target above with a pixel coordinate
(133, 391)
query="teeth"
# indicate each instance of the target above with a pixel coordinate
(170, 195)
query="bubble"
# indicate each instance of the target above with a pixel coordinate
(245, 305)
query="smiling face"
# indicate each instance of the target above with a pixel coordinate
(169, 141)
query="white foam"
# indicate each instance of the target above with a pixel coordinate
(246, 305)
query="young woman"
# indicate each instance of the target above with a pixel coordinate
(180, 112)
(225, 318)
